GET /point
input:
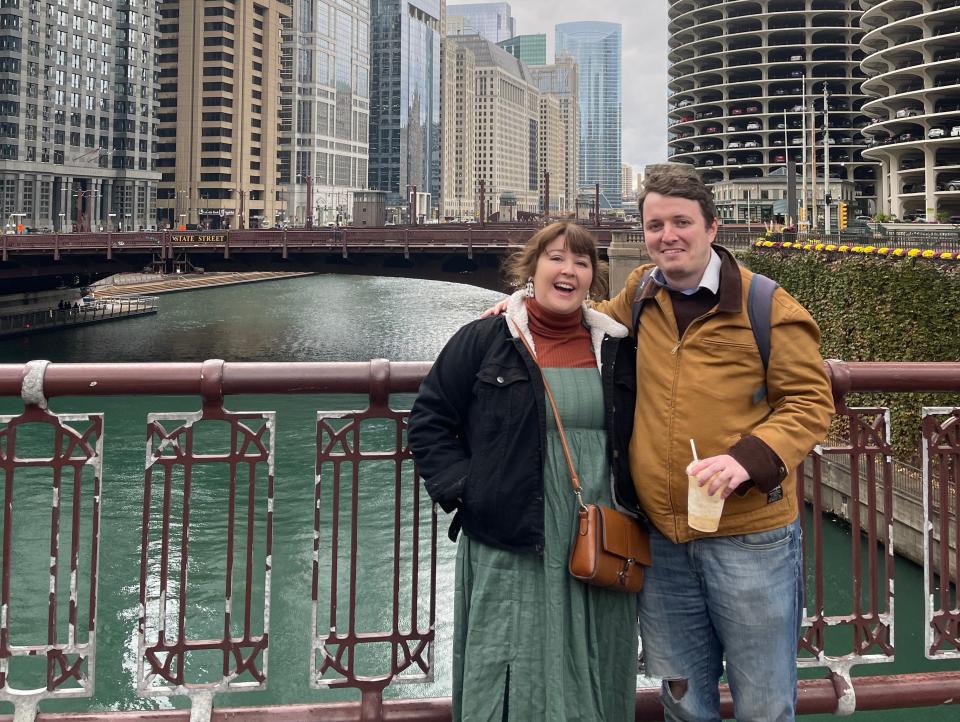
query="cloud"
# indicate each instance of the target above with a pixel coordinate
(644, 73)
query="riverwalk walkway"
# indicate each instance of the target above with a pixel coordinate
(144, 285)
(110, 308)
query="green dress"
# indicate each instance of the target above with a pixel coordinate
(525, 630)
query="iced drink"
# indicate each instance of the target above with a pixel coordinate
(703, 510)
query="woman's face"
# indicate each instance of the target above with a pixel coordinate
(562, 278)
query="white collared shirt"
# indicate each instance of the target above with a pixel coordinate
(710, 279)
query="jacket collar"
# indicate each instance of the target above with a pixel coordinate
(730, 298)
(600, 324)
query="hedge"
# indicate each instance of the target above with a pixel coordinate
(876, 309)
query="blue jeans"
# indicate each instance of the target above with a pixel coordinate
(735, 596)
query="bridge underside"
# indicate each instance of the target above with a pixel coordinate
(35, 273)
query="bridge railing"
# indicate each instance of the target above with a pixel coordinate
(165, 243)
(209, 471)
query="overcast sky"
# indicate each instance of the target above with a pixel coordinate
(644, 37)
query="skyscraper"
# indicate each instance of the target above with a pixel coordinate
(505, 123)
(219, 100)
(459, 194)
(561, 80)
(325, 108)
(529, 49)
(76, 113)
(738, 107)
(405, 97)
(490, 20)
(596, 48)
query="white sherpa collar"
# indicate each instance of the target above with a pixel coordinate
(599, 324)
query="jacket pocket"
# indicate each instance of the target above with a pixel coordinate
(500, 391)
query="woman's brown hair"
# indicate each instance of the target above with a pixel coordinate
(521, 265)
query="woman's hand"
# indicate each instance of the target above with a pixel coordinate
(496, 309)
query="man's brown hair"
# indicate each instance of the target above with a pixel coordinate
(576, 239)
(679, 181)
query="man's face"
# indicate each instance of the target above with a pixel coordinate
(678, 238)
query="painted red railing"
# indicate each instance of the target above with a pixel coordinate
(179, 457)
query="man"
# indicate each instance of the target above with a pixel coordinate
(737, 592)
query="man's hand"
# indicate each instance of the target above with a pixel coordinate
(723, 473)
(495, 310)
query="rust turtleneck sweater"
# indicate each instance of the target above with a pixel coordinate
(560, 339)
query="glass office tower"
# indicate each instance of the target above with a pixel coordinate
(489, 20)
(405, 98)
(325, 108)
(596, 48)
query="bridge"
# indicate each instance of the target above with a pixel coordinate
(447, 252)
(56, 459)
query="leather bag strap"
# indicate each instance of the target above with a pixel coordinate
(574, 477)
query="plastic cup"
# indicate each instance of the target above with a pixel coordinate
(703, 510)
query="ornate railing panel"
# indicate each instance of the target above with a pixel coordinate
(870, 621)
(50, 459)
(941, 572)
(342, 654)
(189, 500)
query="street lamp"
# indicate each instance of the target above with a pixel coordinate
(241, 193)
(111, 224)
(127, 216)
(63, 223)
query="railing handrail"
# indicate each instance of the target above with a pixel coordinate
(188, 378)
(311, 377)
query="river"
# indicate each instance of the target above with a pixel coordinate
(313, 318)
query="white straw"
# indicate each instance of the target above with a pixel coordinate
(693, 448)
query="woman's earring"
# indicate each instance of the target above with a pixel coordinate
(528, 289)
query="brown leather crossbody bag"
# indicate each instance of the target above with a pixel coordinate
(609, 548)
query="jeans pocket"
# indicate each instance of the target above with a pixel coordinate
(771, 539)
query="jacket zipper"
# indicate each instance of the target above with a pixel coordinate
(675, 352)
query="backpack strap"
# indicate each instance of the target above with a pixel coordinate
(638, 299)
(759, 303)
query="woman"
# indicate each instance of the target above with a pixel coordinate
(530, 641)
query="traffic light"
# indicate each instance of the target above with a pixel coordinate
(842, 223)
(829, 199)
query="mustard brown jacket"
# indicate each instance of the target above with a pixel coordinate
(702, 386)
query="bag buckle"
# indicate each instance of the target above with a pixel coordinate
(622, 574)
(583, 507)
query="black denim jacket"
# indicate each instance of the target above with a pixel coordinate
(478, 432)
